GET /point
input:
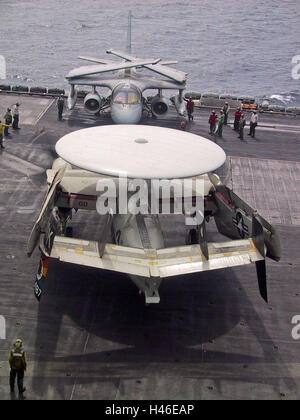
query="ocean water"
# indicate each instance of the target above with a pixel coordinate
(234, 46)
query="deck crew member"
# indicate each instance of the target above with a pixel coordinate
(60, 106)
(15, 113)
(253, 123)
(237, 116)
(18, 364)
(226, 109)
(1, 133)
(212, 121)
(190, 108)
(242, 123)
(8, 121)
(216, 128)
(221, 123)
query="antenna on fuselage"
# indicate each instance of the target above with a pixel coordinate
(129, 33)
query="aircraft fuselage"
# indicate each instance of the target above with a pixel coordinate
(126, 104)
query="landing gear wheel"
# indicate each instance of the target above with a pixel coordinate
(192, 237)
(64, 214)
(69, 232)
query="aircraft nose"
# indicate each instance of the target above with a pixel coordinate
(126, 114)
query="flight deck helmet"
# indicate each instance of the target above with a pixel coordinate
(18, 343)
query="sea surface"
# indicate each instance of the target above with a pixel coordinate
(233, 46)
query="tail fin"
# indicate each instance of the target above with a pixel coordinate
(129, 33)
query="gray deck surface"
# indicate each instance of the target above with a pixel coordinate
(92, 337)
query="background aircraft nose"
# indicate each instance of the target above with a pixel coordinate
(126, 114)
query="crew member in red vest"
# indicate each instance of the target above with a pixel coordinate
(212, 122)
(237, 116)
(190, 108)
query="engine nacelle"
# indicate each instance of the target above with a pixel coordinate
(92, 102)
(159, 106)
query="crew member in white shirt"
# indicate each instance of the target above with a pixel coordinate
(15, 114)
(253, 123)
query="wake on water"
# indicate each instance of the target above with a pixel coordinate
(288, 99)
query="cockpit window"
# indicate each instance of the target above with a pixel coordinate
(126, 95)
(133, 98)
(120, 98)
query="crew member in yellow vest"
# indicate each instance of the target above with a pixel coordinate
(1, 133)
(18, 364)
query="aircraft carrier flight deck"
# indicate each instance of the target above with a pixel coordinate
(92, 336)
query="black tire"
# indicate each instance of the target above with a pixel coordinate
(192, 237)
(69, 232)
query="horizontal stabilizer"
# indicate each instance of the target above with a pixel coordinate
(165, 262)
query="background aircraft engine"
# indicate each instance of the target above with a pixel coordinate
(159, 106)
(92, 102)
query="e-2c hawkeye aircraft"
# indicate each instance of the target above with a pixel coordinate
(126, 102)
(133, 242)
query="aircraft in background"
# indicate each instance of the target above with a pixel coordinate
(133, 243)
(126, 102)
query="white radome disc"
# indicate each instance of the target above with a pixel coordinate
(140, 151)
